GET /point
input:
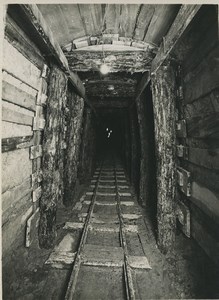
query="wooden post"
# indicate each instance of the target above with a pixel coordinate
(51, 159)
(164, 89)
(73, 140)
(134, 148)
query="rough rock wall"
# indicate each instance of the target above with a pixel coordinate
(164, 94)
(52, 159)
(75, 107)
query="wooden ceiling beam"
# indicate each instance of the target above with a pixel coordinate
(118, 61)
(183, 19)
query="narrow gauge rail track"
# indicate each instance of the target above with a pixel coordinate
(110, 179)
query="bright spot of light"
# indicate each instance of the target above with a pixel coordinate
(104, 69)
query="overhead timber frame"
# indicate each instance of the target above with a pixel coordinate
(163, 81)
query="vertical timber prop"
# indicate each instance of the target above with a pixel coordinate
(75, 106)
(164, 94)
(144, 161)
(51, 164)
(87, 145)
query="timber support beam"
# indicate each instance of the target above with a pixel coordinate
(164, 98)
(183, 19)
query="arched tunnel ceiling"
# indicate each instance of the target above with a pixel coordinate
(126, 35)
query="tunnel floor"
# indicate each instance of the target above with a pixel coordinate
(45, 274)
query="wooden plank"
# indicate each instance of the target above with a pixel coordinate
(32, 228)
(13, 195)
(203, 79)
(14, 230)
(14, 143)
(16, 166)
(160, 23)
(204, 238)
(36, 177)
(181, 130)
(38, 123)
(203, 126)
(142, 85)
(17, 96)
(37, 193)
(208, 158)
(36, 151)
(102, 256)
(182, 151)
(207, 200)
(184, 181)
(77, 84)
(183, 215)
(18, 65)
(183, 19)
(139, 262)
(10, 130)
(144, 20)
(205, 105)
(12, 116)
(22, 43)
(61, 259)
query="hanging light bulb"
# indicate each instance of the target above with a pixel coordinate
(104, 69)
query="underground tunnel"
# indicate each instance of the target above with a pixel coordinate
(110, 147)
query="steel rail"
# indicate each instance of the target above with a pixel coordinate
(130, 292)
(77, 262)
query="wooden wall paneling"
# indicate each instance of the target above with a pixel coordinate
(13, 230)
(204, 78)
(204, 234)
(11, 196)
(206, 105)
(208, 158)
(203, 126)
(206, 199)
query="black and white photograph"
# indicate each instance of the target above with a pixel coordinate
(110, 150)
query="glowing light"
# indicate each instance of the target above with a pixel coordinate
(104, 69)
